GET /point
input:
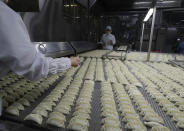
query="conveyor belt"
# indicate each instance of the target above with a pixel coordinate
(27, 110)
(179, 64)
(167, 120)
(95, 121)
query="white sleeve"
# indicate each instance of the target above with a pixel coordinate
(114, 40)
(58, 65)
(18, 53)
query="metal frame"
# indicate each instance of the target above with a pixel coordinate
(176, 63)
(123, 58)
(142, 36)
(152, 31)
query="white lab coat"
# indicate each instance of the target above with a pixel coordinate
(106, 38)
(18, 54)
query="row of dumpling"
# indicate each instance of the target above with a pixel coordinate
(12, 93)
(179, 57)
(109, 114)
(65, 82)
(141, 68)
(119, 75)
(9, 79)
(83, 68)
(166, 86)
(50, 101)
(128, 114)
(173, 73)
(171, 81)
(91, 70)
(144, 108)
(157, 57)
(116, 55)
(94, 53)
(135, 56)
(128, 75)
(19, 88)
(177, 88)
(81, 116)
(168, 107)
(63, 107)
(170, 95)
(122, 48)
(99, 71)
(26, 98)
(111, 77)
(73, 70)
(157, 94)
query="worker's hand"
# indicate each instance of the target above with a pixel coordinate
(75, 61)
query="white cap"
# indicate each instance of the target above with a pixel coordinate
(108, 28)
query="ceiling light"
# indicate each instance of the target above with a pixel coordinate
(148, 15)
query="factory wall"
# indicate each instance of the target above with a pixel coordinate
(52, 24)
(127, 30)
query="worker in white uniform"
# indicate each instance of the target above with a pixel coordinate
(108, 39)
(19, 55)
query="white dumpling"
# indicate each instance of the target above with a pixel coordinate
(29, 98)
(18, 105)
(79, 120)
(180, 124)
(35, 117)
(41, 112)
(110, 128)
(12, 110)
(24, 102)
(110, 121)
(136, 125)
(57, 115)
(152, 124)
(82, 115)
(45, 106)
(77, 127)
(55, 122)
(159, 128)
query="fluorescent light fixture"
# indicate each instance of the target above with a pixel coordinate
(148, 15)
(70, 5)
(166, 2)
(140, 3)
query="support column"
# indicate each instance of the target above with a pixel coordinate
(151, 34)
(142, 36)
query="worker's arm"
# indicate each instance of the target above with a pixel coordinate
(18, 53)
(102, 40)
(114, 40)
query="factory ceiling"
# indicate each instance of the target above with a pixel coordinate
(120, 5)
